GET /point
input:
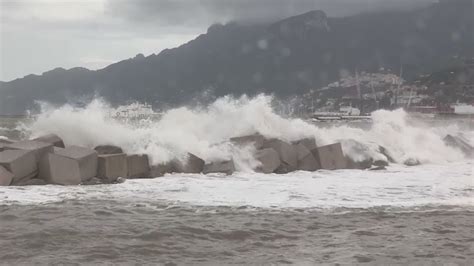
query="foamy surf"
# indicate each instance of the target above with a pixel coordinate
(399, 186)
(205, 132)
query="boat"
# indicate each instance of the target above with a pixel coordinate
(463, 109)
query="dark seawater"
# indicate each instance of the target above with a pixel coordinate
(109, 232)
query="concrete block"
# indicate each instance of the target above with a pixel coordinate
(4, 142)
(287, 152)
(51, 138)
(57, 149)
(306, 160)
(380, 163)
(269, 160)
(112, 166)
(138, 166)
(162, 169)
(309, 143)
(108, 149)
(387, 154)
(192, 165)
(60, 170)
(412, 162)
(38, 148)
(331, 157)
(21, 163)
(6, 177)
(32, 182)
(459, 143)
(256, 139)
(81, 161)
(284, 168)
(226, 167)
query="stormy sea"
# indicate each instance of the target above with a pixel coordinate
(419, 214)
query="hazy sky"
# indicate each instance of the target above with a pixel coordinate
(39, 35)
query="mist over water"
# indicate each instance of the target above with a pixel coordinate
(205, 131)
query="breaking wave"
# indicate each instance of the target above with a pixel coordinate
(205, 132)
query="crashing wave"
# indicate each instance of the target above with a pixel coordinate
(206, 131)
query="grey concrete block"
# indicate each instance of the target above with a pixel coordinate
(4, 142)
(460, 144)
(226, 167)
(159, 170)
(108, 149)
(21, 163)
(138, 166)
(85, 162)
(193, 164)
(331, 157)
(412, 162)
(51, 138)
(387, 154)
(44, 169)
(309, 143)
(308, 163)
(60, 170)
(269, 160)
(287, 152)
(256, 139)
(306, 160)
(112, 166)
(380, 163)
(32, 182)
(38, 148)
(57, 149)
(6, 177)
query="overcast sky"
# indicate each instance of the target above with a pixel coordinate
(39, 35)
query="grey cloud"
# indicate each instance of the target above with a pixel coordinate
(129, 27)
(205, 12)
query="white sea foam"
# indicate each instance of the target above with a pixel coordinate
(399, 186)
(206, 131)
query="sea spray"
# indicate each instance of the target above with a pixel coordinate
(205, 132)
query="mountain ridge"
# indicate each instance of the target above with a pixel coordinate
(287, 57)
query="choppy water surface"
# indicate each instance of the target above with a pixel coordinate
(401, 215)
(104, 231)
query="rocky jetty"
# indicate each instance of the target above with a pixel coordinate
(47, 160)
